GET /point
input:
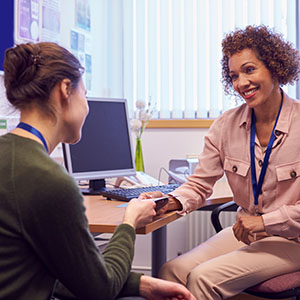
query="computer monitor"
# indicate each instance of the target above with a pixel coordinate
(105, 149)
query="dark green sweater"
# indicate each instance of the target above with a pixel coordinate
(44, 233)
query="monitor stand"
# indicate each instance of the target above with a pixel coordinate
(95, 186)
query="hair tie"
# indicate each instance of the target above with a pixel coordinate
(35, 58)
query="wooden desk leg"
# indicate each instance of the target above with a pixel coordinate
(159, 249)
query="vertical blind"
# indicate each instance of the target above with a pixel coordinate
(169, 51)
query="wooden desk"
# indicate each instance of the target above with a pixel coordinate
(105, 215)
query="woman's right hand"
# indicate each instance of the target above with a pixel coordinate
(139, 212)
(173, 203)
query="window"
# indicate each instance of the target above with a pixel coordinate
(169, 51)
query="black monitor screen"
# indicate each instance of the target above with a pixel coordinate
(105, 147)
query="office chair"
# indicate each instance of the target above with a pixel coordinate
(280, 287)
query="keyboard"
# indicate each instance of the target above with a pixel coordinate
(128, 194)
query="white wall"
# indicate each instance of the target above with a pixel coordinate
(161, 145)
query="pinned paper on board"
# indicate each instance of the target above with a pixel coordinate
(29, 20)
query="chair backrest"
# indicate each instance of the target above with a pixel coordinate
(228, 206)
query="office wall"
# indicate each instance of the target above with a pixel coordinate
(62, 26)
(161, 145)
(94, 40)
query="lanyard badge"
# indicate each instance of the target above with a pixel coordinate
(256, 187)
(34, 131)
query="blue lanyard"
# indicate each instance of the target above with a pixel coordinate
(35, 132)
(257, 187)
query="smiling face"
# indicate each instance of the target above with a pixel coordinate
(251, 79)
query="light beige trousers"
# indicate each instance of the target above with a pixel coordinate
(222, 267)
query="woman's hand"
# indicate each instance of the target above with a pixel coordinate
(155, 194)
(158, 289)
(139, 213)
(246, 227)
(173, 203)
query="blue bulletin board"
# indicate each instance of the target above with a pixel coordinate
(7, 28)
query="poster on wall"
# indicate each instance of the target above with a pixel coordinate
(80, 47)
(38, 21)
(28, 20)
(51, 21)
(83, 14)
(88, 72)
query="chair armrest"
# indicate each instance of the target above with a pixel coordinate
(228, 206)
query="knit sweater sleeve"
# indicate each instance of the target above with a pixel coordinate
(55, 226)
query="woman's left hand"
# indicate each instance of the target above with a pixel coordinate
(157, 289)
(246, 227)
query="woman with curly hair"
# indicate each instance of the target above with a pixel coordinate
(257, 146)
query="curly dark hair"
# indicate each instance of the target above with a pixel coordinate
(278, 55)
